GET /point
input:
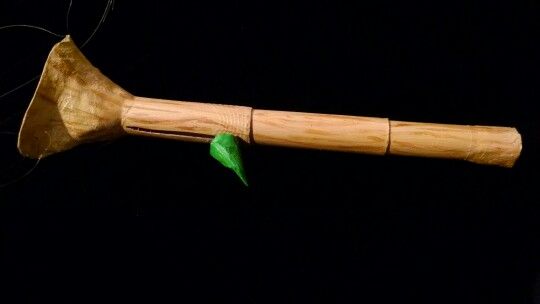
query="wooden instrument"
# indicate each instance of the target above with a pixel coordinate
(74, 103)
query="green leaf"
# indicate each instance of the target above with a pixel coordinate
(225, 149)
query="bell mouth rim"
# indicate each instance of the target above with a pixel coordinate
(25, 124)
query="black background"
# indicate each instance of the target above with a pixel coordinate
(160, 221)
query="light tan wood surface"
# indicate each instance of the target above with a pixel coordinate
(321, 131)
(188, 121)
(478, 144)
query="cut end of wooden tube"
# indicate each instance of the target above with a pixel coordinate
(500, 146)
(73, 103)
(495, 146)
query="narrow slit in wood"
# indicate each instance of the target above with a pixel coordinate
(178, 133)
(387, 151)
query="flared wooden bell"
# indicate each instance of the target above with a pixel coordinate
(73, 103)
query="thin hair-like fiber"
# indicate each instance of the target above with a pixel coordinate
(108, 7)
(29, 171)
(67, 15)
(19, 86)
(35, 27)
(21, 177)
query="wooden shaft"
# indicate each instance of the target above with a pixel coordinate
(187, 121)
(200, 122)
(321, 131)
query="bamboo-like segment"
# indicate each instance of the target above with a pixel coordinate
(74, 103)
(478, 144)
(321, 131)
(181, 120)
